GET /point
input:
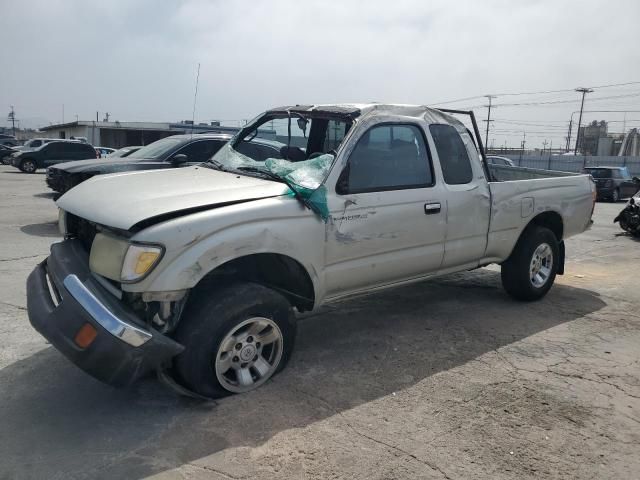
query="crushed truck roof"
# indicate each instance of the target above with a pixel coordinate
(355, 110)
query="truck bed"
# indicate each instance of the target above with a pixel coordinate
(500, 173)
(520, 194)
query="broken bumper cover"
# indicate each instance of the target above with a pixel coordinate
(62, 296)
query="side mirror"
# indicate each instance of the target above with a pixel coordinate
(636, 179)
(178, 159)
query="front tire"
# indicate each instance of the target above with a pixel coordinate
(28, 166)
(530, 271)
(235, 339)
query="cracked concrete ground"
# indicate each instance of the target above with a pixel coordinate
(444, 379)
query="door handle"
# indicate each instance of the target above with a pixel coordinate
(432, 208)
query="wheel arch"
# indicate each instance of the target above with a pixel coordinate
(551, 220)
(554, 222)
(273, 270)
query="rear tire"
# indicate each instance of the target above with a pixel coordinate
(222, 335)
(530, 271)
(615, 196)
(28, 166)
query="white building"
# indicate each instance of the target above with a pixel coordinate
(122, 134)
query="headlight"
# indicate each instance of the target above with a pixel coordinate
(62, 222)
(139, 260)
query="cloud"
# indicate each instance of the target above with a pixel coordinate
(138, 60)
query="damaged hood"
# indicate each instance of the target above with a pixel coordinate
(123, 200)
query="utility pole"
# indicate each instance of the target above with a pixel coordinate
(488, 120)
(584, 91)
(12, 118)
(568, 146)
(106, 116)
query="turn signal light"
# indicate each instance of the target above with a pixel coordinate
(86, 335)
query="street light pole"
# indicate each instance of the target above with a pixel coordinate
(584, 91)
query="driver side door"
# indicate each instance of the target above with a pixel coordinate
(387, 215)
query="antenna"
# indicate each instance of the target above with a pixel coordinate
(195, 96)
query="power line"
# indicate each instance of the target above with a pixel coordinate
(615, 85)
(541, 92)
(627, 95)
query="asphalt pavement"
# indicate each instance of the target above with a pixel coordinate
(448, 378)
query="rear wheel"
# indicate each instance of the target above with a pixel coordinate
(530, 271)
(615, 196)
(235, 339)
(28, 166)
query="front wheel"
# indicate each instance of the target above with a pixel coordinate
(530, 271)
(235, 339)
(28, 166)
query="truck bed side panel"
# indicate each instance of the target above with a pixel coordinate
(516, 203)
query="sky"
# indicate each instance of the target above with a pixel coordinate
(138, 60)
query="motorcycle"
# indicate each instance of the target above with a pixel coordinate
(629, 217)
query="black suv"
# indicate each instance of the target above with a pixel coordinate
(613, 183)
(52, 153)
(170, 152)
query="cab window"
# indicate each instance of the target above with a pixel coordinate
(387, 157)
(454, 159)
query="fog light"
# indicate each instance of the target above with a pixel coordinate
(86, 335)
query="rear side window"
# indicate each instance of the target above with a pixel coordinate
(454, 159)
(599, 172)
(88, 151)
(387, 157)
(201, 151)
(53, 148)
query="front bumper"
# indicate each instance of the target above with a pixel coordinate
(62, 296)
(54, 180)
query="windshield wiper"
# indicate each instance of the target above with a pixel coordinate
(216, 165)
(280, 179)
(266, 173)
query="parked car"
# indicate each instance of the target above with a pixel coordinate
(5, 153)
(614, 183)
(8, 140)
(52, 153)
(104, 151)
(170, 152)
(34, 143)
(196, 272)
(125, 151)
(502, 161)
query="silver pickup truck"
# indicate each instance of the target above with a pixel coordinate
(196, 272)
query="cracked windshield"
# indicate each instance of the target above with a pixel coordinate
(297, 149)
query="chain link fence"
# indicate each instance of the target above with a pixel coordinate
(571, 163)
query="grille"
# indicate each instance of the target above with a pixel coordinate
(82, 229)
